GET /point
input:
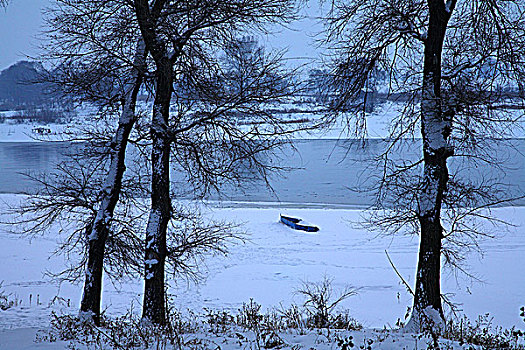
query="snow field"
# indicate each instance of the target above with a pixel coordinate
(269, 268)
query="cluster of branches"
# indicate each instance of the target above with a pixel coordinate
(455, 64)
(208, 120)
(482, 52)
(92, 46)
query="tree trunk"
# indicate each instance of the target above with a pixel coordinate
(100, 227)
(153, 307)
(160, 212)
(436, 125)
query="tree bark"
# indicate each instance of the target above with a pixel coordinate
(153, 307)
(160, 212)
(436, 126)
(100, 227)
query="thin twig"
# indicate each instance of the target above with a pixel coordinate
(399, 275)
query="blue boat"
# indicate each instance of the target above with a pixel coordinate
(295, 224)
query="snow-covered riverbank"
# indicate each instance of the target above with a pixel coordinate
(33, 132)
(377, 124)
(273, 263)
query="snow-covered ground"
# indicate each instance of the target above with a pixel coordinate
(270, 267)
(33, 132)
(377, 124)
(36, 132)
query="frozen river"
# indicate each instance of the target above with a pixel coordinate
(324, 171)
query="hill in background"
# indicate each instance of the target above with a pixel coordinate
(21, 86)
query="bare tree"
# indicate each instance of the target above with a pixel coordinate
(99, 59)
(68, 201)
(161, 209)
(178, 35)
(451, 62)
(217, 130)
(110, 193)
(207, 135)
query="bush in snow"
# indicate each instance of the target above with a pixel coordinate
(484, 334)
(5, 301)
(265, 327)
(320, 303)
(126, 332)
(248, 328)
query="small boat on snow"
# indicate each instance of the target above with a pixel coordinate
(295, 224)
